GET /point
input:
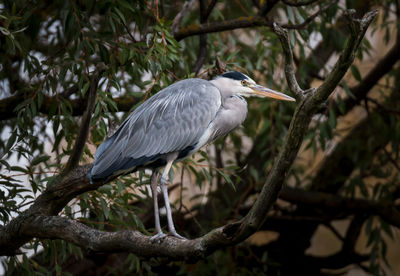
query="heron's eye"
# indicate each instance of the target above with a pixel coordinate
(244, 83)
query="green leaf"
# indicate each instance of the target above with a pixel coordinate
(11, 141)
(40, 99)
(347, 90)
(39, 159)
(85, 89)
(58, 270)
(227, 179)
(332, 118)
(19, 169)
(120, 14)
(356, 73)
(106, 210)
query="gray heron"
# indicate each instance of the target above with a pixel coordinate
(174, 123)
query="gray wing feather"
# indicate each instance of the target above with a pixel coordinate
(172, 120)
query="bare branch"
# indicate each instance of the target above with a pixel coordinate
(55, 227)
(189, 5)
(213, 27)
(380, 69)
(85, 124)
(202, 53)
(289, 63)
(210, 8)
(242, 22)
(266, 7)
(310, 18)
(299, 3)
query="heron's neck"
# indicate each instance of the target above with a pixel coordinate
(224, 88)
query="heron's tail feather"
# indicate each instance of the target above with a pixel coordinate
(89, 175)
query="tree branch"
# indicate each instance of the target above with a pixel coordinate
(55, 227)
(266, 7)
(202, 53)
(384, 66)
(299, 3)
(227, 25)
(189, 4)
(339, 165)
(310, 18)
(80, 142)
(210, 8)
(289, 63)
(7, 105)
(242, 22)
(338, 203)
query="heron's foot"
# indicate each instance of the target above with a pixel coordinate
(176, 235)
(157, 238)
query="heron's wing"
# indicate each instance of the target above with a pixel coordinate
(171, 121)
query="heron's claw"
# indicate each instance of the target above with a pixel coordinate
(176, 235)
(157, 238)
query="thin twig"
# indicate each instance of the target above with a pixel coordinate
(289, 63)
(310, 18)
(128, 31)
(84, 130)
(226, 25)
(210, 8)
(266, 7)
(202, 54)
(299, 3)
(379, 105)
(389, 156)
(189, 5)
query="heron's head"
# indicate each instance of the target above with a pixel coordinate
(236, 83)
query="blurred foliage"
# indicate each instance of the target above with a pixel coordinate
(50, 49)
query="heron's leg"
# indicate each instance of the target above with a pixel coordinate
(153, 183)
(164, 190)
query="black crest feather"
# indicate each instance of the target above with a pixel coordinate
(234, 75)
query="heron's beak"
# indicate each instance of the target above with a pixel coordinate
(269, 93)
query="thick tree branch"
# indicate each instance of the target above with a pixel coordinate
(57, 195)
(384, 65)
(339, 164)
(55, 227)
(338, 203)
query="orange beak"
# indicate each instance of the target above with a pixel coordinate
(269, 93)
